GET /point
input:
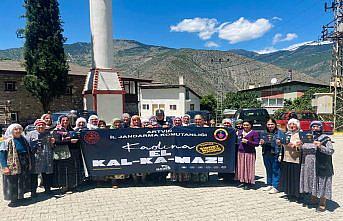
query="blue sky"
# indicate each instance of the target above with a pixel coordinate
(201, 24)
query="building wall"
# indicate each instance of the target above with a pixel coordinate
(163, 98)
(29, 108)
(109, 106)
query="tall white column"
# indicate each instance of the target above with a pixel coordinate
(101, 32)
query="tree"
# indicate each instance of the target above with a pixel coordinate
(237, 100)
(209, 102)
(45, 60)
(303, 103)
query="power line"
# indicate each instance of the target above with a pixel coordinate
(334, 31)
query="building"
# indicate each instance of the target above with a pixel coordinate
(175, 100)
(17, 104)
(273, 96)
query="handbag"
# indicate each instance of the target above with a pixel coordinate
(61, 152)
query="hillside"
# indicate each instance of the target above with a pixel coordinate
(313, 60)
(163, 64)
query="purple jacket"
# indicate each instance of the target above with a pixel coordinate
(253, 141)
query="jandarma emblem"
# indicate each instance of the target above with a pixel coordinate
(92, 137)
(221, 134)
(210, 148)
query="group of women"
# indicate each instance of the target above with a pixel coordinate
(296, 163)
(294, 166)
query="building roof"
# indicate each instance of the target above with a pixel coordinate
(164, 86)
(318, 84)
(17, 67)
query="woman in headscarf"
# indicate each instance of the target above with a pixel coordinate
(177, 122)
(271, 140)
(316, 167)
(102, 124)
(179, 177)
(48, 120)
(199, 177)
(66, 172)
(227, 122)
(15, 159)
(136, 123)
(125, 118)
(248, 140)
(41, 143)
(290, 162)
(93, 121)
(81, 124)
(116, 123)
(238, 125)
(145, 123)
(185, 120)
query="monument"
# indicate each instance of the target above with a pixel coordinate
(103, 91)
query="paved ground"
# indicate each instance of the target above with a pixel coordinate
(217, 201)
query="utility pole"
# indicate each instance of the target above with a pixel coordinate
(333, 31)
(219, 82)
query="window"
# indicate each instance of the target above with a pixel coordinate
(129, 87)
(145, 106)
(192, 107)
(10, 86)
(279, 102)
(69, 90)
(172, 107)
(14, 117)
(187, 94)
(272, 102)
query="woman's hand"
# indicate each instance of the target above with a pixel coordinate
(244, 140)
(278, 142)
(298, 144)
(6, 171)
(317, 143)
(290, 145)
(74, 140)
(262, 142)
(52, 140)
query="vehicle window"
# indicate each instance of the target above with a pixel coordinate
(255, 113)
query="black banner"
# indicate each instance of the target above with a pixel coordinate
(143, 150)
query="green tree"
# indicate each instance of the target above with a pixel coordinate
(45, 60)
(209, 102)
(304, 102)
(237, 100)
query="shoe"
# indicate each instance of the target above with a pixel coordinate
(273, 191)
(246, 187)
(268, 188)
(241, 185)
(320, 209)
(33, 194)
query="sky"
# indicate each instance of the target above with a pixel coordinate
(255, 25)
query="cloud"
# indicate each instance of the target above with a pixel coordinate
(205, 27)
(279, 37)
(211, 44)
(277, 18)
(237, 31)
(244, 30)
(267, 50)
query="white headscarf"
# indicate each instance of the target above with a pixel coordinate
(294, 121)
(78, 120)
(8, 135)
(91, 126)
